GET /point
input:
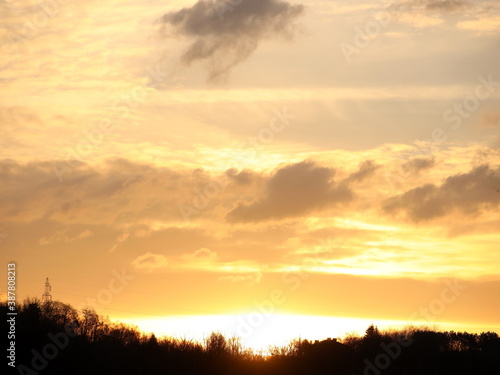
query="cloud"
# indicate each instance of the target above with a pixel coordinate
(225, 35)
(62, 236)
(431, 5)
(121, 238)
(207, 260)
(150, 261)
(469, 193)
(366, 170)
(202, 255)
(246, 279)
(16, 125)
(487, 154)
(294, 190)
(485, 22)
(416, 165)
(490, 119)
(446, 5)
(108, 193)
(85, 234)
(244, 177)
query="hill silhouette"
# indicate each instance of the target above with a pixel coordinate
(55, 338)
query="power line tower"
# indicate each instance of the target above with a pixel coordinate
(47, 296)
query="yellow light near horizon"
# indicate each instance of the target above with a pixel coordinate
(258, 331)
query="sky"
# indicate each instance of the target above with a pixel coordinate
(171, 161)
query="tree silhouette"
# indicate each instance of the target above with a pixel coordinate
(94, 345)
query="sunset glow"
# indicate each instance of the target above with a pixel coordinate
(175, 167)
(261, 332)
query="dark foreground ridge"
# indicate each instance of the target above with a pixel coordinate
(54, 338)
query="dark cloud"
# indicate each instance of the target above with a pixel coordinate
(446, 5)
(244, 177)
(226, 33)
(416, 165)
(294, 190)
(468, 193)
(366, 170)
(429, 5)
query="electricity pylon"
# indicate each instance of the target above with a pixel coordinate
(47, 296)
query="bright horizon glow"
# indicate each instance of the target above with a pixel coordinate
(258, 331)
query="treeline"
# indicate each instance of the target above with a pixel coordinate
(55, 338)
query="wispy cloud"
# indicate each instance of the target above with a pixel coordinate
(430, 5)
(150, 261)
(62, 236)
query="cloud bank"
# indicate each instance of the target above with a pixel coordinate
(294, 190)
(468, 193)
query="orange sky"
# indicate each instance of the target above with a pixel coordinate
(165, 162)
